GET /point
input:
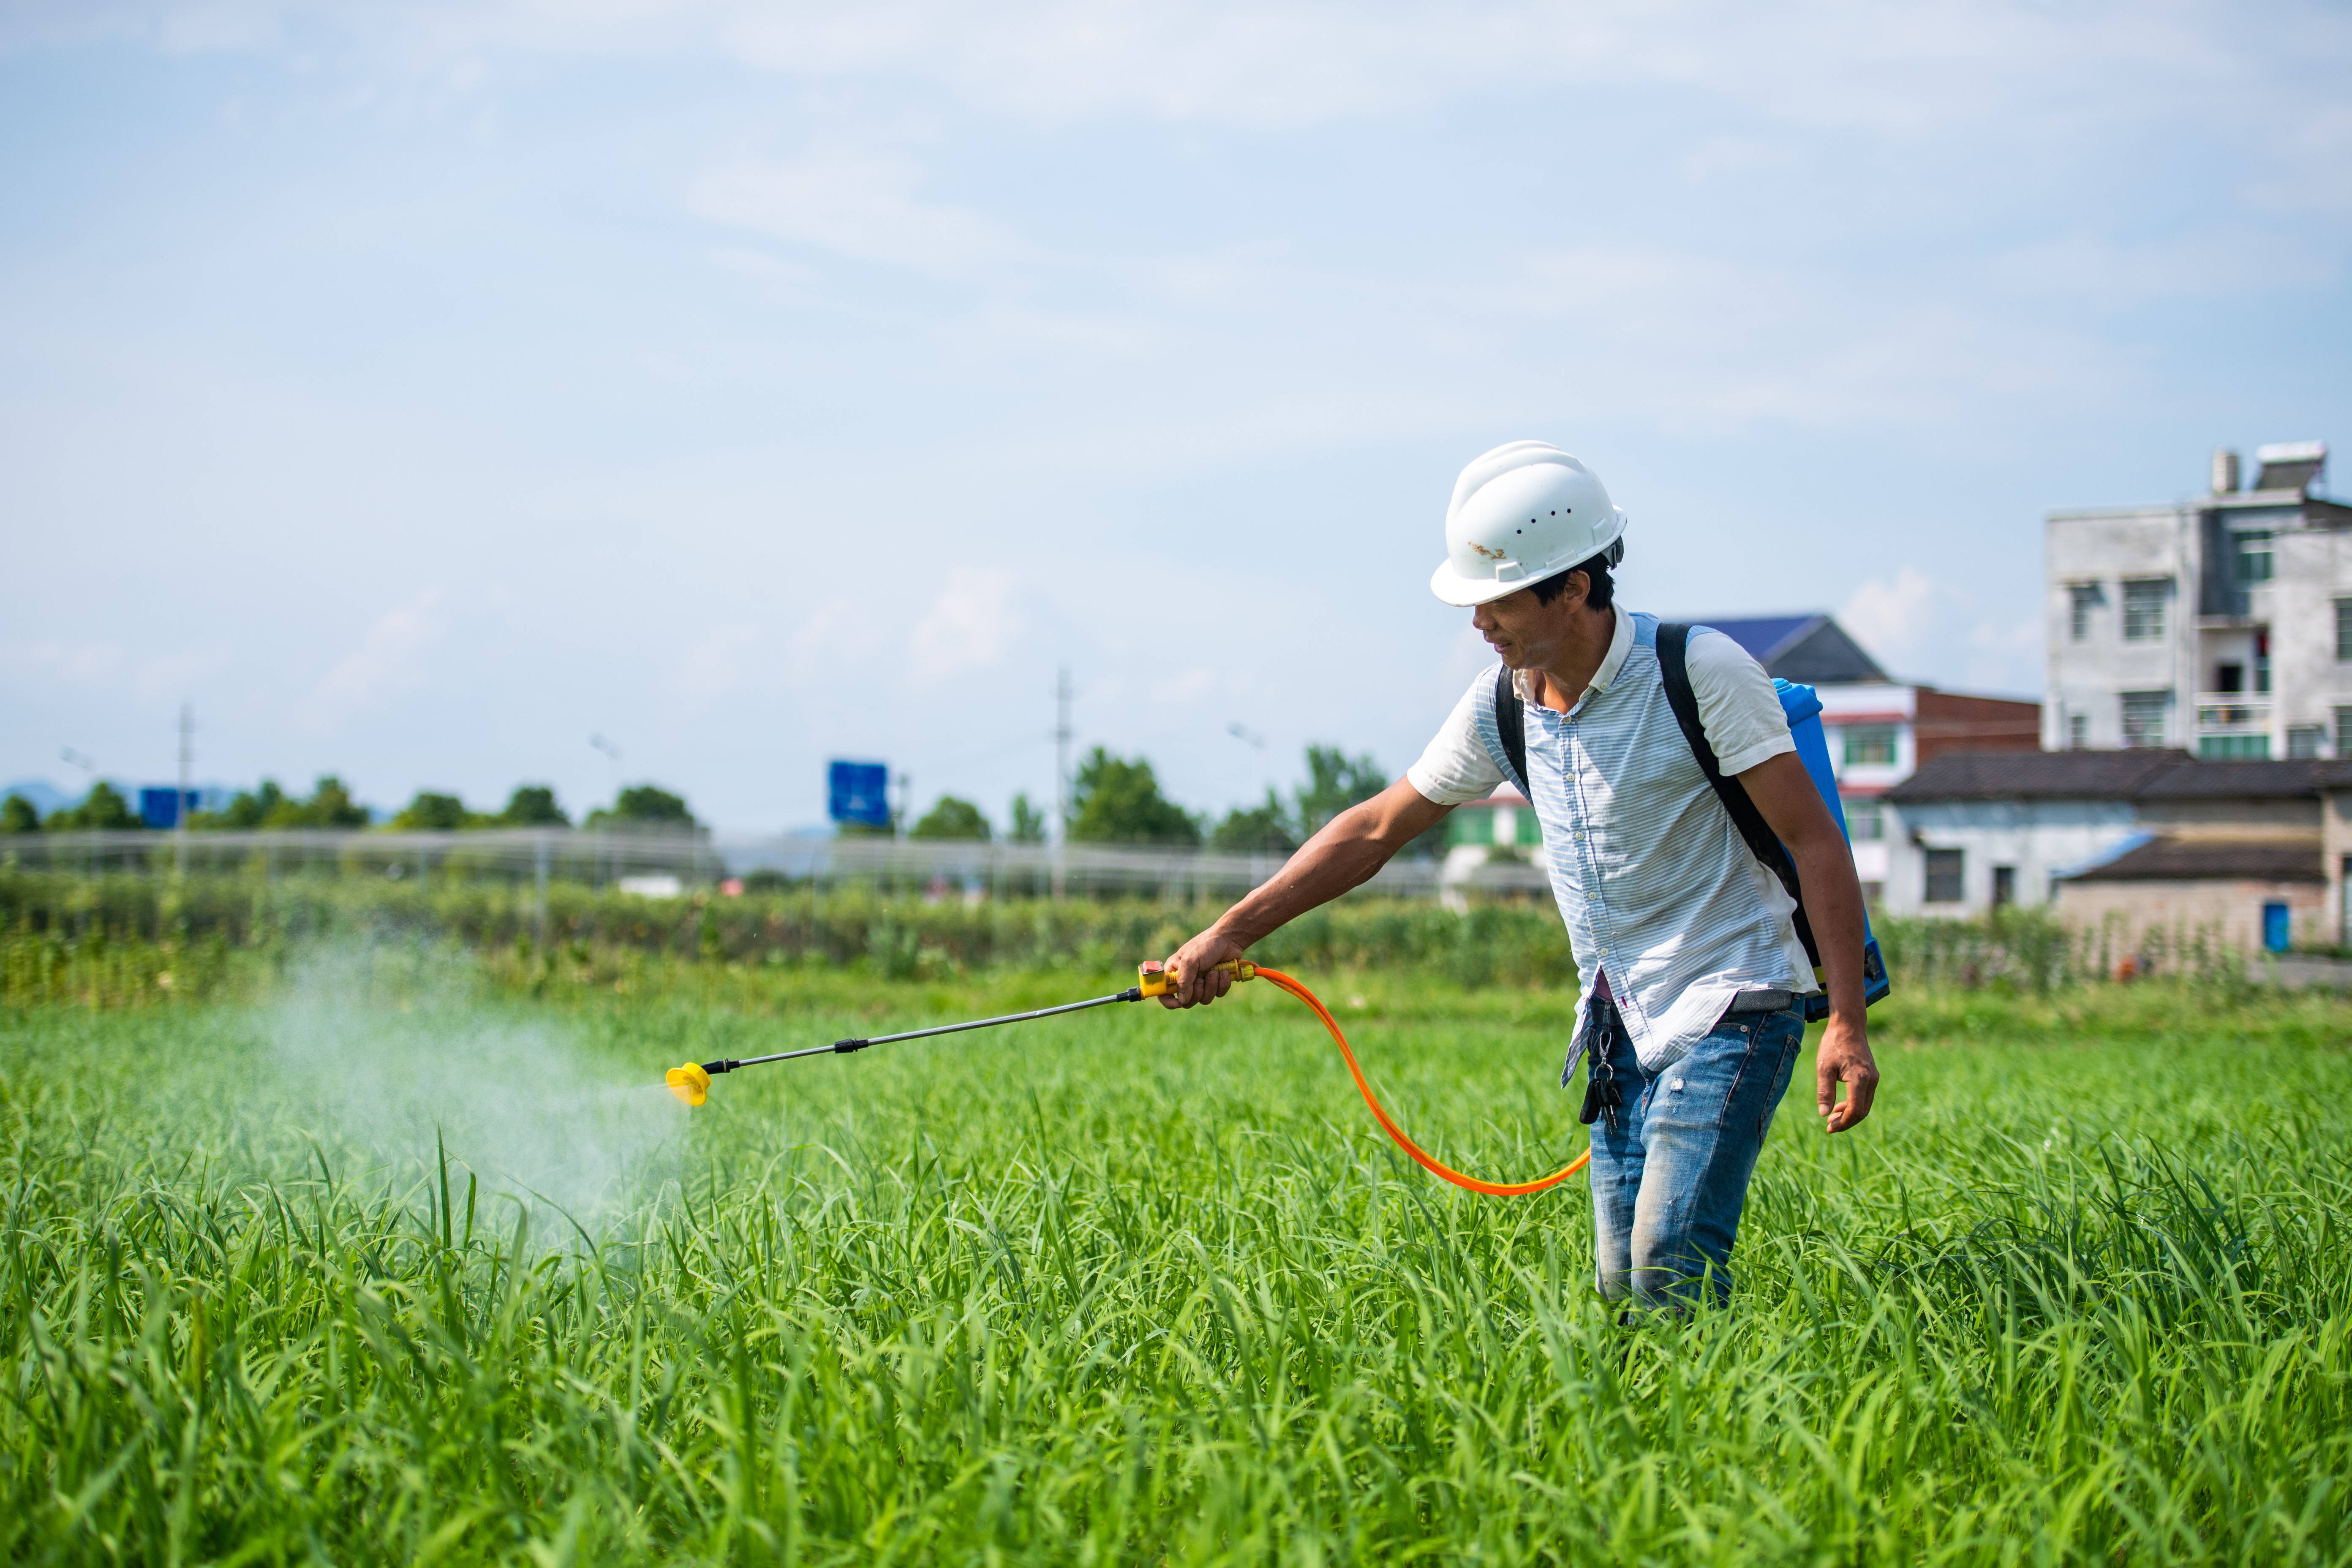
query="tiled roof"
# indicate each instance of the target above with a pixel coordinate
(1811, 648)
(2038, 775)
(2240, 780)
(2186, 860)
(1763, 636)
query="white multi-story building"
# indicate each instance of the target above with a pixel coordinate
(2221, 625)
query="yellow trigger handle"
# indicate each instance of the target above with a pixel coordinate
(1153, 980)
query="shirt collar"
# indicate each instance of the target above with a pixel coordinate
(1620, 643)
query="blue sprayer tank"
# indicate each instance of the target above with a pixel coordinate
(1802, 704)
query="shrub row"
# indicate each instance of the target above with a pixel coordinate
(70, 938)
(73, 938)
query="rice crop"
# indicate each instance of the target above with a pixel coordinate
(393, 1267)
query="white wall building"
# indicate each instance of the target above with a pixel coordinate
(2140, 837)
(2221, 625)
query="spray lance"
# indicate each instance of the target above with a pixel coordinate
(691, 1081)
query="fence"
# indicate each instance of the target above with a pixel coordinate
(698, 859)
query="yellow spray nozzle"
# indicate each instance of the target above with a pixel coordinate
(689, 1083)
(1153, 980)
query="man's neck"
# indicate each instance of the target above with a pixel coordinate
(1581, 654)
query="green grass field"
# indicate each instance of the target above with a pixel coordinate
(389, 1269)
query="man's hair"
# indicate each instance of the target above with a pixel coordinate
(1599, 597)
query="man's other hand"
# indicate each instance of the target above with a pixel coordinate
(1844, 1058)
(1194, 964)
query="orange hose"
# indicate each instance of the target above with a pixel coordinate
(1492, 1189)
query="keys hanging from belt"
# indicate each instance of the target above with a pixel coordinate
(1599, 1093)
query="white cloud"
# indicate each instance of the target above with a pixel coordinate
(2311, 165)
(1703, 341)
(174, 676)
(1912, 622)
(1894, 618)
(970, 625)
(388, 660)
(2225, 258)
(860, 205)
(714, 664)
(1891, 69)
(84, 664)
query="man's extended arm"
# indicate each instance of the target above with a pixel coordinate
(1349, 849)
(1796, 813)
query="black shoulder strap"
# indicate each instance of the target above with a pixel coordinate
(1673, 667)
(1511, 720)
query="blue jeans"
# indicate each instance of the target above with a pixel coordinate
(1670, 1165)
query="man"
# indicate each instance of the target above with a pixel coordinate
(1690, 964)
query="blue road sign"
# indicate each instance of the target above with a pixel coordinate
(161, 807)
(859, 792)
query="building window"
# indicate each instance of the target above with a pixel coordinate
(2343, 629)
(1470, 827)
(2255, 555)
(2078, 732)
(1865, 823)
(2080, 599)
(2343, 732)
(1945, 879)
(2229, 679)
(2144, 713)
(2233, 748)
(2004, 886)
(2261, 663)
(2304, 740)
(2144, 603)
(1870, 745)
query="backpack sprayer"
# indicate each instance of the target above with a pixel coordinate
(691, 1081)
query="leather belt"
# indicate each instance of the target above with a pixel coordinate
(1761, 1002)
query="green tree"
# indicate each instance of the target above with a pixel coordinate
(644, 805)
(532, 805)
(330, 805)
(434, 814)
(1256, 830)
(952, 818)
(1334, 783)
(1118, 801)
(18, 814)
(1028, 822)
(247, 810)
(102, 808)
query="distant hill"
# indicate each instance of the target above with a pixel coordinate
(44, 796)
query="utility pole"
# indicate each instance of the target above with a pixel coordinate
(180, 815)
(603, 834)
(1061, 779)
(539, 878)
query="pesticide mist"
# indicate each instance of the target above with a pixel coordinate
(389, 1057)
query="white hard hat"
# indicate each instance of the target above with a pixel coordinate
(1521, 513)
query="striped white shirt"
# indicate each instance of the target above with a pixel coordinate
(1654, 883)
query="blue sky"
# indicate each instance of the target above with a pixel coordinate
(419, 389)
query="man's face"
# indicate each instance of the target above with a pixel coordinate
(1525, 631)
